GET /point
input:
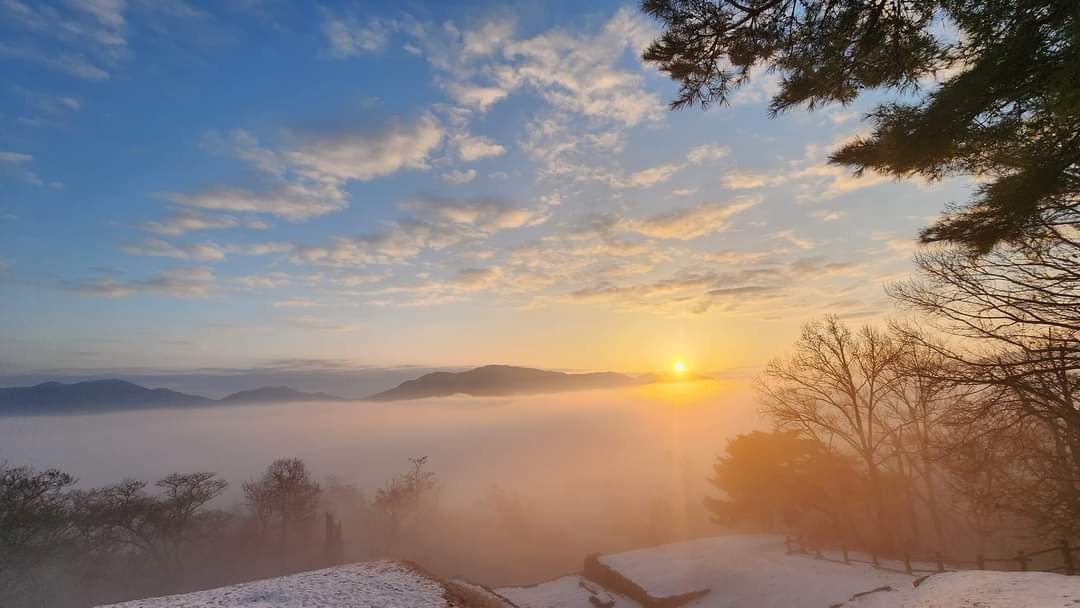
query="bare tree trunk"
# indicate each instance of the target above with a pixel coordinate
(909, 499)
(885, 538)
(932, 505)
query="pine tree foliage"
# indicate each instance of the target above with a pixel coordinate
(1007, 108)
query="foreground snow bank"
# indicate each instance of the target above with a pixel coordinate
(981, 589)
(746, 570)
(365, 585)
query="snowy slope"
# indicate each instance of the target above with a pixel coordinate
(567, 592)
(981, 589)
(364, 585)
(747, 570)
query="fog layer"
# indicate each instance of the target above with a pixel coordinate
(582, 472)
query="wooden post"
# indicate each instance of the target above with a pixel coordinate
(940, 561)
(817, 550)
(980, 562)
(873, 558)
(802, 546)
(1023, 560)
(844, 549)
(907, 562)
(787, 545)
(1066, 557)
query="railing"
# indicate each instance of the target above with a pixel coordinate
(937, 562)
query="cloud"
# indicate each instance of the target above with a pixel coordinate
(322, 324)
(706, 153)
(646, 177)
(244, 146)
(295, 303)
(430, 224)
(45, 110)
(104, 287)
(292, 201)
(459, 177)
(308, 180)
(195, 282)
(92, 32)
(475, 147)
(365, 155)
(742, 180)
(487, 215)
(185, 221)
(347, 37)
(17, 164)
(577, 73)
(204, 252)
(829, 215)
(14, 157)
(690, 223)
(794, 239)
(835, 180)
(266, 280)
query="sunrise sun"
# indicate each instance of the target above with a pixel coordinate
(679, 366)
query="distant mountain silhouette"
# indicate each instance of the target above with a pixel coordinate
(276, 394)
(114, 395)
(94, 395)
(500, 380)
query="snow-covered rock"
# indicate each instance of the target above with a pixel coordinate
(571, 591)
(383, 584)
(746, 570)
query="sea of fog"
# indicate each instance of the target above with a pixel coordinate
(590, 463)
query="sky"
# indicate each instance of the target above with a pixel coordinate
(232, 183)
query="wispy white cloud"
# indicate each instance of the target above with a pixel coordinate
(184, 221)
(292, 201)
(579, 73)
(475, 147)
(459, 177)
(692, 222)
(348, 36)
(192, 282)
(365, 155)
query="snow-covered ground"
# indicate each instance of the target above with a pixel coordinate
(738, 571)
(981, 589)
(567, 592)
(365, 585)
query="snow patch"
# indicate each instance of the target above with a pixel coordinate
(382, 584)
(981, 589)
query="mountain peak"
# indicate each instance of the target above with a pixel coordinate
(500, 380)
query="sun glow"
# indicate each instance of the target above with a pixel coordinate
(679, 366)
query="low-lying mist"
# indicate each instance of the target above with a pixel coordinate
(527, 485)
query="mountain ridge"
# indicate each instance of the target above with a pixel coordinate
(501, 380)
(110, 395)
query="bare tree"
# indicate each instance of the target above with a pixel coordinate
(35, 520)
(835, 388)
(162, 527)
(287, 493)
(402, 496)
(1017, 312)
(924, 397)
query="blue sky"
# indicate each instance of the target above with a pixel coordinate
(222, 184)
